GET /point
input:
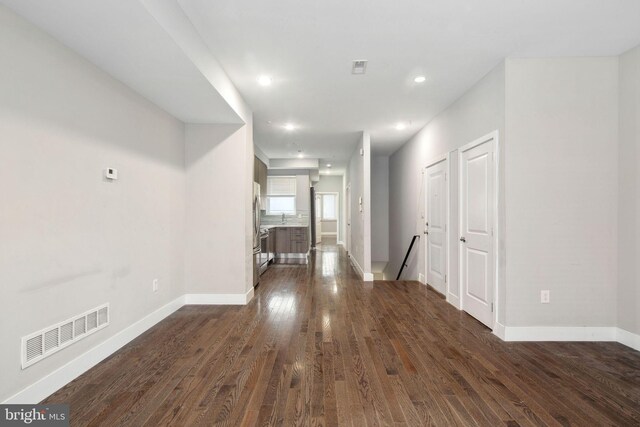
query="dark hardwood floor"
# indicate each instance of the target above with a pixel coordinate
(317, 346)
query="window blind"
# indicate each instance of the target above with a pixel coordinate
(281, 186)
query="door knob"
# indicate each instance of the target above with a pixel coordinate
(463, 240)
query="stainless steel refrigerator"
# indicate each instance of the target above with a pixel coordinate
(256, 233)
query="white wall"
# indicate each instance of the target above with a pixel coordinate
(333, 184)
(358, 177)
(561, 190)
(380, 208)
(478, 112)
(69, 239)
(628, 303)
(216, 256)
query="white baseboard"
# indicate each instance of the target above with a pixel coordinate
(453, 300)
(219, 299)
(356, 266)
(559, 333)
(341, 243)
(422, 279)
(499, 330)
(568, 333)
(628, 338)
(366, 277)
(57, 379)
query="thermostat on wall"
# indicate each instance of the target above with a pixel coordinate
(111, 173)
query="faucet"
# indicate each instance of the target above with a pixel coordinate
(283, 219)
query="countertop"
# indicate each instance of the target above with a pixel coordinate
(270, 226)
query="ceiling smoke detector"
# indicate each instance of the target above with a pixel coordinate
(359, 66)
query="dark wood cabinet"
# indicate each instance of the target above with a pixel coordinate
(283, 242)
(299, 237)
(271, 243)
(260, 175)
(291, 240)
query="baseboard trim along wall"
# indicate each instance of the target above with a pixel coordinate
(219, 299)
(62, 376)
(628, 338)
(454, 300)
(366, 277)
(567, 333)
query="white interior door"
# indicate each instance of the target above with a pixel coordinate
(477, 188)
(436, 225)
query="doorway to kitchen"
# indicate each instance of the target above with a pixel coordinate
(327, 217)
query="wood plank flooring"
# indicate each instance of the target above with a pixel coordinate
(317, 346)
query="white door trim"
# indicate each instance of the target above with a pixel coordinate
(347, 216)
(496, 215)
(433, 162)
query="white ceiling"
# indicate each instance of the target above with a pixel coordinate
(307, 47)
(122, 38)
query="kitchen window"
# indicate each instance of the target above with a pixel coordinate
(281, 195)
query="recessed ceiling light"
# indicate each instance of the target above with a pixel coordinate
(289, 126)
(401, 126)
(265, 81)
(300, 155)
(420, 79)
(328, 165)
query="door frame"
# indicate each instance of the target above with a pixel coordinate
(338, 222)
(433, 162)
(347, 216)
(496, 217)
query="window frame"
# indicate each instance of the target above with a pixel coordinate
(293, 196)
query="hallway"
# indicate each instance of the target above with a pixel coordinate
(316, 346)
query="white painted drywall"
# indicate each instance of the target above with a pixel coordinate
(477, 113)
(69, 239)
(216, 246)
(333, 184)
(628, 303)
(380, 208)
(358, 176)
(561, 190)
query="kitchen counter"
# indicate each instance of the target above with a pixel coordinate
(270, 226)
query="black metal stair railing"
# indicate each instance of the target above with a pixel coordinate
(406, 257)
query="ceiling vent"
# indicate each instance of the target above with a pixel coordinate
(359, 66)
(48, 341)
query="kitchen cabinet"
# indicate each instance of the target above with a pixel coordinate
(291, 240)
(283, 240)
(260, 175)
(272, 241)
